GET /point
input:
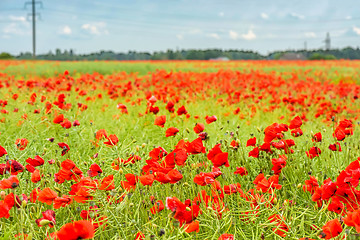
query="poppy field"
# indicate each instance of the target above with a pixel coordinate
(179, 150)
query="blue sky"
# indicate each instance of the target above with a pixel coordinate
(153, 25)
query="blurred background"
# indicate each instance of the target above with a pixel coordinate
(178, 29)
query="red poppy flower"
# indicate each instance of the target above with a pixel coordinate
(181, 111)
(199, 127)
(107, 183)
(66, 124)
(63, 201)
(122, 107)
(317, 137)
(295, 123)
(352, 219)
(311, 185)
(234, 144)
(76, 230)
(130, 183)
(335, 147)
(297, 132)
(58, 119)
(281, 228)
(147, 179)
(195, 147)
(265, 185)
(232, 188)
(21, 143)
(47, 219)
(94, 170)
(76, 123)
(5, 206)
(36, 161)
(170, 107)
(35, 176)
(254, 153)
(47, 196)
(251, 142)
(204, 179)
(210, 119)
(278, 164)
(274, 131)
(160, 121)
(241, 171)
(65, 148)
(226, 236)
(10, 183)
(313, 152)
(68, 171)
(171, 131)
(112, 140)
(331, 229)
(2, 151)
(139, 236)
(158, 207)
(182, 212)
(192, 227)
(84, 189)
(218, 157)
(101, 134)
(14, 167)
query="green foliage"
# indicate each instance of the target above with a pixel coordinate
(319, 56)
(5, 55)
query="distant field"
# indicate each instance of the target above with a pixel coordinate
(336, 70)
(179, 150)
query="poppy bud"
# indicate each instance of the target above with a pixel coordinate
(57, 189)
(143, 145)
(44, 222)
(2, 195)
(23, 203)
(188, 209)
(33, 210)
(259, 130)
(187, 130)
(131, 205)
(121, 171)
(299, 185)
(137, 148)
(185, 184)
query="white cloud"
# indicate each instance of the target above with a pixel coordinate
(356, 30)
(17, 18)
(180, 36)
(264, 16)
(221, 14)
(14, 29)
(348, 17)
(66, 30)
(18, 26)
(97, 28)
(194, 31)
(296, 15)
(214, 35)
(250, 35)
(310, 35)
(233, 35)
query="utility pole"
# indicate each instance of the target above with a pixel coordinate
(327, 42)
(33, 16)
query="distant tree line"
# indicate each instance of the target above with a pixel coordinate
(192, 54)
